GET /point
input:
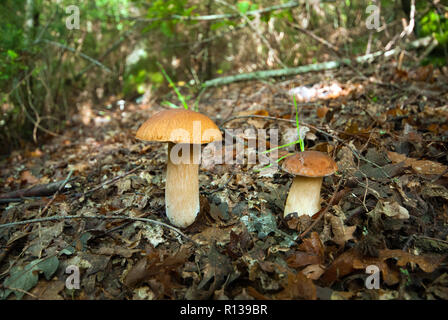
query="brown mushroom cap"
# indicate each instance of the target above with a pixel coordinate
(177, 126)
(311, 164)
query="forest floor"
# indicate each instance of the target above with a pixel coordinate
(389, 208)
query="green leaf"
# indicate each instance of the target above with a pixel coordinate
(165, 27)
(179, 95)
(67, 251)
(302, 146)
(169, 104)
(141, 88)
(243, 6)
(12, 54)
(25, 278)
(156, 78)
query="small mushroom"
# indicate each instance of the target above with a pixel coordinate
(185, 131)
(309, 168)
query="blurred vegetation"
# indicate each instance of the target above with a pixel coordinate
(47, 70)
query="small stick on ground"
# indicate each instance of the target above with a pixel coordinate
(55, 218)
(322, 213)
(55, 194)
(222, 187)
(355, 152)
(113, 180)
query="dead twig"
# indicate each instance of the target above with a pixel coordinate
(254, 29)
(110, 181)
(35, 192)
(22, 291)
(100, 217)
(56, 194)
(322, 213)
(355, 152)
(82, 55)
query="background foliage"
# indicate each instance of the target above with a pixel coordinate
(46, 70)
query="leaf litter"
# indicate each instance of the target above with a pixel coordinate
(391, 211)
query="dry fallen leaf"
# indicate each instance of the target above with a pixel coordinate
(392, 210)
(419, 166)
(26, 177)
(321, 112)
(311, 252)
(298, 286)
(161, 269)
(47, 290)
(341, 232)
(313, 271)
(353, 260)
(78, 167)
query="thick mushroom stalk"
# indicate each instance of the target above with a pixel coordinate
(304, 196)
(182, 190)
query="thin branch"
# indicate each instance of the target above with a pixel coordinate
(35, 122)
(254, 29)
(265, 74)
(322, 213)
(56, 193)
(92, 60)
(100, 217)
(109, 181)
(354, 151)
(315, 37)
(213, 17)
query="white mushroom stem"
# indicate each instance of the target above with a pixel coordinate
(181, 190)
(304, 196)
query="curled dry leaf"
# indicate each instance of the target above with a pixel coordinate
(391, 209)
(26, 177)
(346, 162)
(313, 271)
(159, 268)
(311, 251)
(435, 190)
(298, 286)
(419, 166)
(353, 260)
(341, 232)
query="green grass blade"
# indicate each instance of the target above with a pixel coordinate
(302, 146)
(179, 95)
(270, 165)
(283, 146)
(169, 104)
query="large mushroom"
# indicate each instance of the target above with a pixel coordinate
(185, 131)
(309, 168)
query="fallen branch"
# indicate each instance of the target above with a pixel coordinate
(354, 151)
(82, 55)
(254, 29)
(322, 212)
(265, 74)
(41, 190)
(214, 17)
(114, 179)
(41, 213)
(100, 217)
